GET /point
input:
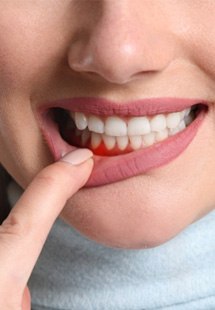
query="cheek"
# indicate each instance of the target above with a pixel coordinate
(201, 44)
(204, 58)
(17, 61)
(27, 59)
(33, 48)
(20, 141)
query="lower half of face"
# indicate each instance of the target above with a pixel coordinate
(142, 211)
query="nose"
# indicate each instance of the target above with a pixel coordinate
(123, 43)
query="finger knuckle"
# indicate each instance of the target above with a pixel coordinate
(52, 176)
(46, 179)
(12, 226)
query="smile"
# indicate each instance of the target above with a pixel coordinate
(127, 139)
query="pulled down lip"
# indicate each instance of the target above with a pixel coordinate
(109, 169)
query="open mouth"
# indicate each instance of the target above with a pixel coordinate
(124, 144)
(115, 135)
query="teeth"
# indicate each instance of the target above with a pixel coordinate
(122, 142)
(135, 142)
(188, 119)
(187, 111)
(138, 126)
(182, 125)
(118, 127)
(81, 120)
(161, 135)
(115, 126)
(149, 139)
(95, 124)
(158, 123)
(109, 141)
(96, 139)
(173, 131)
(182, 114)
(173, 120)
(137, 132)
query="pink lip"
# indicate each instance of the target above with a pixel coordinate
(101, 106)
(116, 168)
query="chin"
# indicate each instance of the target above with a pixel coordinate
(127, 238)
(137, 230)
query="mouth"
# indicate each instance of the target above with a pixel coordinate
(126, 139)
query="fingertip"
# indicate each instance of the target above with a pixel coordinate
(77, 157)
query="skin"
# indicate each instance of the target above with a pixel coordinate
(27, 226)
(121, 50)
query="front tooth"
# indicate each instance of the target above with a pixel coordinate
(115, 126)
(95, 139)
(95, 124)
(109, 141)
(80, 120)
(136, 142)
(173, 120)
(138, 126)
(122, 142)
(158, 123)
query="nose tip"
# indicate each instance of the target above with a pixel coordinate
(120, 47)
(115, 64)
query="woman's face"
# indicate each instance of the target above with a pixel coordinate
(123, 51)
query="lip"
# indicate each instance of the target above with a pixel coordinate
(102, 106)
(109, 169)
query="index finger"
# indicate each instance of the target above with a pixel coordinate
(24, 232)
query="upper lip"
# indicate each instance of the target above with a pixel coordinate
(104, 107)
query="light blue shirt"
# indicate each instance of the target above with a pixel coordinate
(74, 273)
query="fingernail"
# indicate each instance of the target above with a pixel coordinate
(77, 157)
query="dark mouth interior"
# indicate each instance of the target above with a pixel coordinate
(60, 116)
(67, 126)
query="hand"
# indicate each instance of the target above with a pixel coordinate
(23, 233)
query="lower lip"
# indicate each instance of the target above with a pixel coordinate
(110, 169)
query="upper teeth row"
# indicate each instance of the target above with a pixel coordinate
(132, 126)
